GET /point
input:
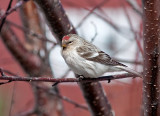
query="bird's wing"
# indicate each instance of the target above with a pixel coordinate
(93, 54)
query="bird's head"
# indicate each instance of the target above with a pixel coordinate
(70, 40)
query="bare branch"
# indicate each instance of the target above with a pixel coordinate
(133, 31)
(56, 17)
(93, 38)
(2, 73)
(151, 85)
(3, 20)
(135, 6)
(129, 61)
(61, 26)
(63, 98)
(28, 59)
(108, 21)
(18, 4)
(50, 92)
(49, 79)
(30, 32)
(34, 65)
(12, 99)
(90, 12)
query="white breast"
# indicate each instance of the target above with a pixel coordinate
(82, 66)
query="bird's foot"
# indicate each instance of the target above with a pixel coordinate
(81, 77)
(109, 80)
(56, 83)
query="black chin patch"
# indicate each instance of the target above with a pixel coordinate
(64, 48)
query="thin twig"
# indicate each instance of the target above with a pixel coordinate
(27, 113)
(95, 32)
(132, 29)
(112, 24)
(7, 71)
(3, 20)
(63, 98)
(135, 7)
(48, 79)
(2, 74)
(129, 61)
(30, 32)
(2, 83)
(106, 20)
(12, 99)
(18, 4)
(90, 12)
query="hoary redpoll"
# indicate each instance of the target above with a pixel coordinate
(86, 59)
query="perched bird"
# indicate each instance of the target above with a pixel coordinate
(86, 59)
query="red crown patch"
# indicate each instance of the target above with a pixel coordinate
(66, 37)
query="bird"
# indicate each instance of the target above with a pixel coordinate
(87, 60)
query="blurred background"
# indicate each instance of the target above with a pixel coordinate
(115, 26)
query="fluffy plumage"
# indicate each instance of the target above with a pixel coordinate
(86, 59)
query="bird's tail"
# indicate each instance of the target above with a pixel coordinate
(127, 69)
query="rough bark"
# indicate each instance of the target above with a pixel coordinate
(32, 21)
(151, 85)
(96, 99)
(56, 17)
(61, 26)
(32, 63)
(29, 62)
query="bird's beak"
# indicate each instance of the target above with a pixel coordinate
(64, 45)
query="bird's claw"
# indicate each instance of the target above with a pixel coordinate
(109, 80)
(81, 77)
(56, 83)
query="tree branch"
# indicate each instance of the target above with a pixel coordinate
(28, 61)
(135, 6)
(34, 65)
(90, 12)
(63, 98)
(151, 85)
(31, 32)
(18, 4)
(3, 20)
(56, 17)
(50, 79)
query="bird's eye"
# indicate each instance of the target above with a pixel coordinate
(70, 42)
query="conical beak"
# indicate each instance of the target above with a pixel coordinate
(64, 45)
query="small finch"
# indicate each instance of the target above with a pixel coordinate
(87, 60)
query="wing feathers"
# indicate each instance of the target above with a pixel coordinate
(93, 54)
(129, 70)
